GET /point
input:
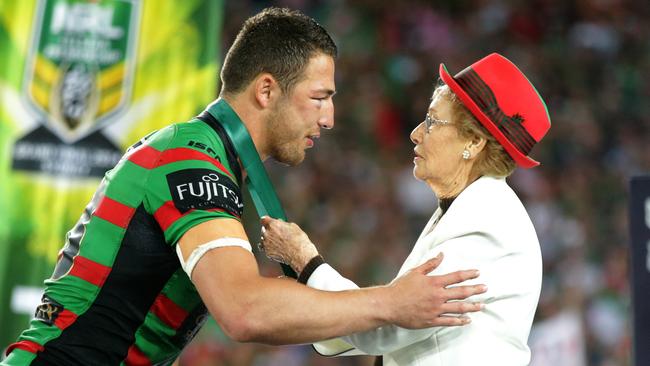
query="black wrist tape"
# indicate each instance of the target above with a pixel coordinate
(310, 268)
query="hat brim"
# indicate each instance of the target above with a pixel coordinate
(519, 158)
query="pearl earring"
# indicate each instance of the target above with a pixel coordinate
(466, 154)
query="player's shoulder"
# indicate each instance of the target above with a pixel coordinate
(187, 140)
(194, 134)
(186, 145)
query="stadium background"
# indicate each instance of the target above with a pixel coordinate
(356, 197)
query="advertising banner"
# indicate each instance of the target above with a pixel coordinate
(80, 81)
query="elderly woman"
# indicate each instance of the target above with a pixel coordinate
(480, 125)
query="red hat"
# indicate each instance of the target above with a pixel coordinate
(500, 96)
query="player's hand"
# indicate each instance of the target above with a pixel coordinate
(421, 301)
(286, 243)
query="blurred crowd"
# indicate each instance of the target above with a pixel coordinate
(356, 197)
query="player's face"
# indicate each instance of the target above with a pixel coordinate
(299, 116)
(438, 147)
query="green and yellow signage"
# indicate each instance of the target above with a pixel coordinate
(81, 80)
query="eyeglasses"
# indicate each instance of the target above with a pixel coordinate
(430, 122)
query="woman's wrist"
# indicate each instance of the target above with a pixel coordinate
(306, 254)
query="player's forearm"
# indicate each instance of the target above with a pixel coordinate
(276, 311)
(330, 314)
(376, 341)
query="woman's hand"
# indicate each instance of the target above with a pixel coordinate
(285, 242)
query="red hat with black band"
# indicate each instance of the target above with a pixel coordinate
(500, 96)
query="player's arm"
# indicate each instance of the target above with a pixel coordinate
(377, 341)
(287, 243)
(250, 307)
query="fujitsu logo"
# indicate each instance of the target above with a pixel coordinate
(207, 188)
(204, 189)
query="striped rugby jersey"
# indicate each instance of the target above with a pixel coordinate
(118, 295)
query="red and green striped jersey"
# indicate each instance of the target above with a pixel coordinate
(118, 295)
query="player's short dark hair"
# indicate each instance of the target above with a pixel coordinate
(278, 41)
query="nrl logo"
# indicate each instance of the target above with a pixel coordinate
(81, 63)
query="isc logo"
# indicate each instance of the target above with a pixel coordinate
(202, 146)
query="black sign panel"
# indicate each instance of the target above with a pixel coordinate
(41, 151)
(640, 272)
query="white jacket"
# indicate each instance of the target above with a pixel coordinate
(485, 228)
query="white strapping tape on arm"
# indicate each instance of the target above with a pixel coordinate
(200, 251)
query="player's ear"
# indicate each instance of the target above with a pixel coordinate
(266, 89)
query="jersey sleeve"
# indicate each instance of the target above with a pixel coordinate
(191, 182)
